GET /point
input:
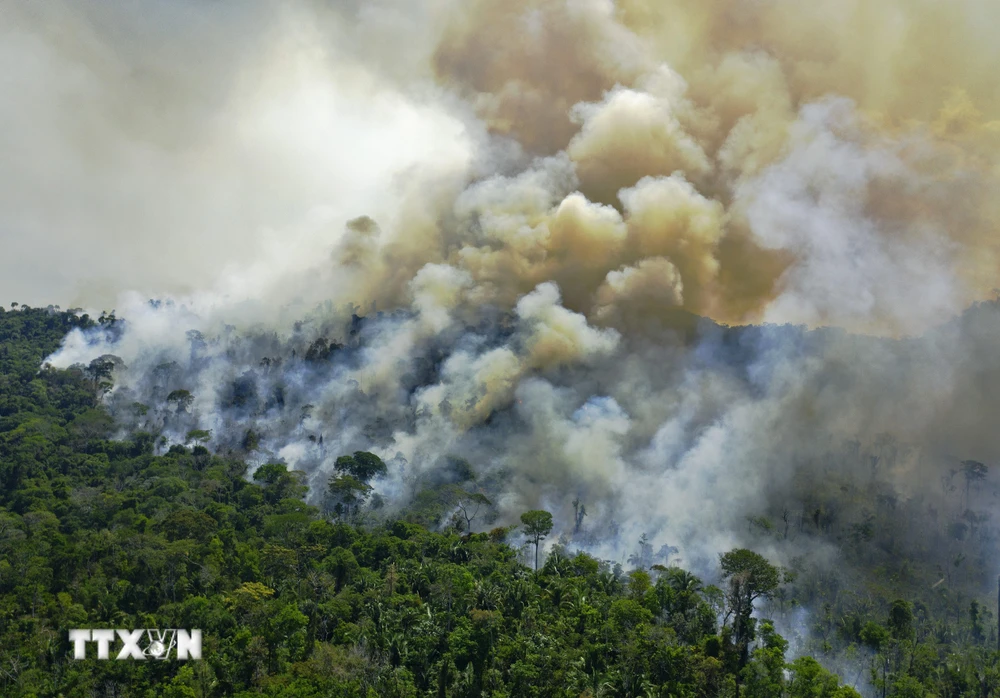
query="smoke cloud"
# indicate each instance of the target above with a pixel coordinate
(527, 227)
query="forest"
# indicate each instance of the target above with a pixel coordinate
(500, 348)
(339, 599)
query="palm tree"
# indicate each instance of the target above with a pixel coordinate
(683, 581)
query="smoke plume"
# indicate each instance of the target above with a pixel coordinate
(525, 232)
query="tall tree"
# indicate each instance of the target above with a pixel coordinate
(181, 398)
(750, 577)
(579, 511)
(469, 504)
(537, 524)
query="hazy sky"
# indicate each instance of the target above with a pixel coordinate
(824, 163)
(145, 146)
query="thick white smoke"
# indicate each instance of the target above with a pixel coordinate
(541, 210)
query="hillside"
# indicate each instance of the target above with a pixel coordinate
(292, 602)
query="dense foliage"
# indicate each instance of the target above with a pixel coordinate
(295, 600)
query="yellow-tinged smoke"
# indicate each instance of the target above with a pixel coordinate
(825, 163)
(829, 162)
(541, 187)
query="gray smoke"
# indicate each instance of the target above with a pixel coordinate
(525, 227)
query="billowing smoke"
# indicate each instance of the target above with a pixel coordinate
(516, 232)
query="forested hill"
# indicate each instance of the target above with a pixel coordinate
(96, 533)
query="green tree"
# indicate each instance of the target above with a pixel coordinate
(362, 465)
(198, 436)
(280, 483)
(764, 675)
(901, 620)
(810, 680)
(347, 493)
(537, 525)
(181, 399)
(750, 577)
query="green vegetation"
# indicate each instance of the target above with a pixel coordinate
(298, 601)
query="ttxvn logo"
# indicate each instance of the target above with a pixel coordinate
(145, 643)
